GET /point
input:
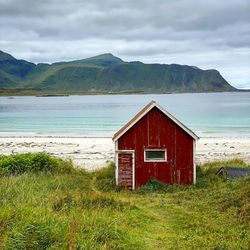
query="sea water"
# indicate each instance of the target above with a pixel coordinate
(207, 114)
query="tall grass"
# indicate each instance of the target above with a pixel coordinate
(81, 210)
(105, 179)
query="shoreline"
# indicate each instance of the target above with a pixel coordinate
(96, 137)
(12, 92)
(94, 152)
(77, 135)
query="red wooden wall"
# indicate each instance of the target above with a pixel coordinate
(156, 131)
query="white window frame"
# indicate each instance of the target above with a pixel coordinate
(155, 160)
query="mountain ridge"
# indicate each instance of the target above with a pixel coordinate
(109, 73)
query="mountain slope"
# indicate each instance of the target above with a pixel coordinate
(105, 60)
(108, 73)
(160, 77)
(8, 80)
(14, 67)
(72, 77)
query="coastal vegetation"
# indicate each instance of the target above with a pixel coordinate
(107, 74)
(40, 92)
(51, 204)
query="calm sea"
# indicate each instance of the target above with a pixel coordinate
(207, 114)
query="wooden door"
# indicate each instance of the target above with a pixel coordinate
(125, 170)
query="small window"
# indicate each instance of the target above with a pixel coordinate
(155, 155)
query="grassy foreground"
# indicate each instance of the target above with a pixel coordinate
(62, 208)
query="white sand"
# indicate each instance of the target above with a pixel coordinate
(93, 153)
(213, 149)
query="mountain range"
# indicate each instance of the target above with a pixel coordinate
(109, 74)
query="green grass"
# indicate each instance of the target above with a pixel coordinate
(43, 208)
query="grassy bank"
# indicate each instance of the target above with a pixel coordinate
(39, 92)
(72, 209)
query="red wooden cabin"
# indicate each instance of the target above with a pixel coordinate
(154, 145)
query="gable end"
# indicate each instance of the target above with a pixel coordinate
(143, 112)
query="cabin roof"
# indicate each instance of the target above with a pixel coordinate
(233, 172)
(143, 112)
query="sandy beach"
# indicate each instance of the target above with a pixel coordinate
(94, 152)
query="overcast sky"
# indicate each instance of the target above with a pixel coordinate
(205, 33)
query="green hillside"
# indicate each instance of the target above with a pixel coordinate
(14, 67)
(160, 77)
(108, 73)
(8, 80)
(68, 77)
(104, 60)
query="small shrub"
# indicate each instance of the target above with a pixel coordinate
(18, 164)
(153, 186)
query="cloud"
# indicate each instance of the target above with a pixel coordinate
(208, 34)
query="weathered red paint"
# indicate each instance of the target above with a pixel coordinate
(155, 130)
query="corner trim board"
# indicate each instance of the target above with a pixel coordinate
(116, 162)
(194, 169)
